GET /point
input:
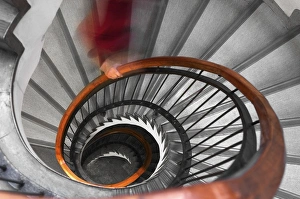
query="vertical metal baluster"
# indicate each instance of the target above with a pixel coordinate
(161, 85)
(97, 107)
(135, 88)
(198, 93)
(66, 146)
(125, 88)
(132, 107)
(96, 101)
(221, 116)
(88, 105)
(114, 92)
(199, 107)
(148, 86)
(209, 168)
(82, 116)
(214, 134)
(215, 144)
(168, 93)
(213, 155)
(186, 90)
(211, 109)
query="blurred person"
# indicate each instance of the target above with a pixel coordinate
(106, 34)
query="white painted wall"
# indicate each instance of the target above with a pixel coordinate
(30, 31)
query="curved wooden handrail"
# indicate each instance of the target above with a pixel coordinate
(262, 175)
(126, 181)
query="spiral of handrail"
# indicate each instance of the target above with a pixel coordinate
(259, 178)
(235, 184)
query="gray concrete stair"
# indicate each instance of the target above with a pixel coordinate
(247, 36)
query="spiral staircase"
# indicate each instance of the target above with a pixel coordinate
(173, 120)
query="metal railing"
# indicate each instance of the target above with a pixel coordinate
(180, 115)
(260, 177)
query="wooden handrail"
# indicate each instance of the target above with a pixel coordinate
(126, 181)
(262, 175)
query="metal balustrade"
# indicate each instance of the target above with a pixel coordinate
(194, 157)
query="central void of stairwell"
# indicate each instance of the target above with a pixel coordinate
(118, 148)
